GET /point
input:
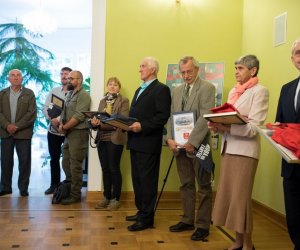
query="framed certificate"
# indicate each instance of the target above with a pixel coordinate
(99, 115)
(226, 118)
(120, 121)
(182, 125)
(57, 101)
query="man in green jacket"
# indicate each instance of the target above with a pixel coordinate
(17, 116)
(75, 127)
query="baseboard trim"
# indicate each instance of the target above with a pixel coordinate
(174, 196)
(129, 196)
(274, 216)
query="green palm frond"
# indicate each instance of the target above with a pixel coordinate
(17, 52)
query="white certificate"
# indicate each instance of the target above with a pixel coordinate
(182, 125)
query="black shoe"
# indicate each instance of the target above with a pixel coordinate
(70, 200)
(200, 234)
(5, 193)
(50, 190)
(181, 226)
(24, 193)
(239, 248)
(139, 226)
(131, 217)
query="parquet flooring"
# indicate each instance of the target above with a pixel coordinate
(34, 223)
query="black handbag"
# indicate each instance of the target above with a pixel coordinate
(62, 191)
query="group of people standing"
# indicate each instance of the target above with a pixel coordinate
(153, 105)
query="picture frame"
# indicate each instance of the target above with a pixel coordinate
(57, 101)
(226, 118)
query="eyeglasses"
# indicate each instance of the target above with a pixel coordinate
(72, 78)
(188, 72)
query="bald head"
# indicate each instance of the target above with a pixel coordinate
(75, 80)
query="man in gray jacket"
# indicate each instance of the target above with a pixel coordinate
(198, 96)
(17, 116)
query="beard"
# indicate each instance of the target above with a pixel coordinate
(70, 87)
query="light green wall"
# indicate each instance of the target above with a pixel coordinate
(210, 30)
(276, 70)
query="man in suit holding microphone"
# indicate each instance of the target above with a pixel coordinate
(151, 106)
(288, 111)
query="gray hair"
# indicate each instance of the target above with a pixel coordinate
(250, 61)
(296, 42)
(9, 73)
(152, 63)
(185, 60)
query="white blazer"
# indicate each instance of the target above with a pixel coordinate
(244, 139)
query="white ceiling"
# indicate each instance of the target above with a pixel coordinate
(67, 13)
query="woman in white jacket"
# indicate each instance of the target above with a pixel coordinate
(240, 153)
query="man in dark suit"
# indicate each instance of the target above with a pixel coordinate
(288, 111)
(198, 96)
(151, 106)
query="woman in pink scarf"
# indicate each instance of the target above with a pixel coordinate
(240, 153)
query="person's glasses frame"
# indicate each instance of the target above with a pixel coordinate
(72, 78)
(188, 72)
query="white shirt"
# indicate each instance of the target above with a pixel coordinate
(296, 94)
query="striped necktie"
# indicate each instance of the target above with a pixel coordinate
(185, 96)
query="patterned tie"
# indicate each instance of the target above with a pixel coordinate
(185, 96)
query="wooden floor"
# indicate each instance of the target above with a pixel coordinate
(34, 223)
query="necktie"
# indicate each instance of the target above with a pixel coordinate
(298, 102)
(143, 86)
(185, 96)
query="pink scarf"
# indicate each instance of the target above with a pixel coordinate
(241, 88)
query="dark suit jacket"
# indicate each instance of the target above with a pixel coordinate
(286, 113)
(152, 109)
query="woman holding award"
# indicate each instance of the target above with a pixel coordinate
(240, 153)
(110, 143)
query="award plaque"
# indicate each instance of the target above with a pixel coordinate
(182, 125)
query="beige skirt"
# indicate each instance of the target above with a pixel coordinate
(233, 206)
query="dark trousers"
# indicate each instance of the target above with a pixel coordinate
(110, 156)
(291, 188)
(54, 145)
(145, 173)
(23, 148)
